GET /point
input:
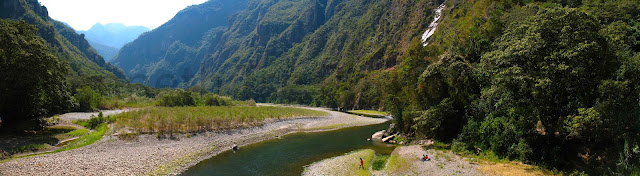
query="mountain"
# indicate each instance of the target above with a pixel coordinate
(280, 50)
(172, 53)
(290, 42)
(109, 38)
(113, 35)
(67, 44)
(105, 51)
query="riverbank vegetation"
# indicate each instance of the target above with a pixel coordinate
(50, 140)
(368, 113)
(205, 118)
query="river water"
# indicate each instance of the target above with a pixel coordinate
(290, 154)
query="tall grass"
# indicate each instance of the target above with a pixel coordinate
(205, 118)
(379, 162)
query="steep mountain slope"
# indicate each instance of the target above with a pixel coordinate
(68, 45)
(113, 35)
(291, 47)
(172, 53)
(271, 49)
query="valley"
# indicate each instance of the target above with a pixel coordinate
(291, 87)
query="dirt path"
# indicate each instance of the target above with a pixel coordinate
(147, 154)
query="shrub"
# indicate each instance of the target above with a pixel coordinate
(216, 100)
(176, 97)
(250, 102)
(94, 121)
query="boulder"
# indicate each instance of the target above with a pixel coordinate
(378, 135)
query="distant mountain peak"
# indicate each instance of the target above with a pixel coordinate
(113, 35)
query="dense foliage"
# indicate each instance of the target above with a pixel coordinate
(550, 83)
(31, 77)
(88, 99)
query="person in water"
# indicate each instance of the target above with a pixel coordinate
(361, 163)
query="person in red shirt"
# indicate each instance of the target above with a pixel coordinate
(361, 163)
(426, 158)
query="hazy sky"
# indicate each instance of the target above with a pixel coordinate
(82, 14)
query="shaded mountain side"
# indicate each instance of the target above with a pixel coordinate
(171, 53)
(105, 51)
(68, 45)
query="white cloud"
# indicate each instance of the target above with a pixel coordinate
(82, 14)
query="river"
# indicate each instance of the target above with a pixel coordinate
(289, 155)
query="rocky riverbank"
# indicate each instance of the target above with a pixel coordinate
(170, 154)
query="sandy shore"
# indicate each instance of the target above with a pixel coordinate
(169, 155)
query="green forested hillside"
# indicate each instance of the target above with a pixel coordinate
(285, 54)
(68, 45)
(171, 54)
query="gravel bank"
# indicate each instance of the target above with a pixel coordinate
(148, 154)
(406, 161)
(87, 115)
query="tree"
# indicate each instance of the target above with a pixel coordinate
(32, 83)
(88, 99)
(546, 86)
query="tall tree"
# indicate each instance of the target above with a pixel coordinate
(32, 82)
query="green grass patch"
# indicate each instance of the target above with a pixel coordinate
(396, 163)
(380, 162)
(205, 118)
(368, 113)
(88, 139)
(437, 145)
(72, 134)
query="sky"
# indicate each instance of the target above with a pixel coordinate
(82, 14)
